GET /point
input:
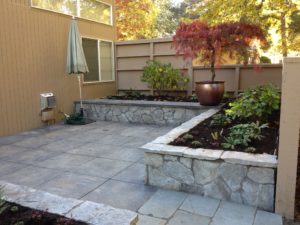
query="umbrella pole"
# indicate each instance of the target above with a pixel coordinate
(80, 94)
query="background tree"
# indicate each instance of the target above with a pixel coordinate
(209, 43)
(269, 14)
(136, 19)
(294, 35)
(166, 21)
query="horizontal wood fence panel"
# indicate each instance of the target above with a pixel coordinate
(177, 62)
(133, 50)
(251, 77)
(133, 55)
(164, 48)
(131, 80)
(132, 63)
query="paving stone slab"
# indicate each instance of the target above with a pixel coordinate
(147, 220)
(31, 157)
(72, 185)
(266, 218)
(134, 174)
(121, 194)
(8, 150)
(200, 205)
(182, 218)
(101, 167)
(233, 214)
(9, 167)
(31, 176)
(65, 161)
(163, 204)
(33, 142)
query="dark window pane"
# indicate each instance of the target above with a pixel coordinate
(90, 48)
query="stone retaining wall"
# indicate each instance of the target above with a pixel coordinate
(146, 112)
(226, 175)
(249, 185)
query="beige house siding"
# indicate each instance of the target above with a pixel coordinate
(33, 45)
(131, 58)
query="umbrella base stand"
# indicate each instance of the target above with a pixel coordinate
(81, 112)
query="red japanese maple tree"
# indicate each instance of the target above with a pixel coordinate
(209, 43)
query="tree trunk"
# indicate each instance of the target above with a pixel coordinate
(283, 32)
(212, 65)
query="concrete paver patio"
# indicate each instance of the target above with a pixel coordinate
(102, 162)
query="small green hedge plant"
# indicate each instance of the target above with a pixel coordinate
(162, 77)
(256, 103)
(243, 134)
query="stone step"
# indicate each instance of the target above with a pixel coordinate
(85, 211)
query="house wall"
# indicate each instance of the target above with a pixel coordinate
(33, 48)
(131, 57)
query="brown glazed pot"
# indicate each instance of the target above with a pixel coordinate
(210, 93)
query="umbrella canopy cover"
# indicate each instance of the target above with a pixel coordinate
(76, 62)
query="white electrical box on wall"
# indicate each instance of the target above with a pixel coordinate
(48, 101)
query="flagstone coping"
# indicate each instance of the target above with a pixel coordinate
(89, 212)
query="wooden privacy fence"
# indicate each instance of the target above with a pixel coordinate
(131, 57)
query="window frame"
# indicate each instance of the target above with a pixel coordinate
(111, 22)
(99, 40)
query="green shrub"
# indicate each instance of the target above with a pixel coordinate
(243, 134)
(265, 59)
(161, 77)
(220, 120)
(259, 103)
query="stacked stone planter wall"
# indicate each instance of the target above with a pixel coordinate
(146, 112)
(233, 176)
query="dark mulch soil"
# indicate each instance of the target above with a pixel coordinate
(297, 206)
(202, 133)
(155, 98)
(18, 215)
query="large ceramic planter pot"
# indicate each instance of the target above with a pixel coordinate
(210, 93)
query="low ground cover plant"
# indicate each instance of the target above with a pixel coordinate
(248, 124)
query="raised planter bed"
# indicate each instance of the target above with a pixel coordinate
(138, 111)
(227, 175)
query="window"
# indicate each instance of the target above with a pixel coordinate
(94, 10)
(99, 57)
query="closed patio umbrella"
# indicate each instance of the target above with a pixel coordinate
(76, 62)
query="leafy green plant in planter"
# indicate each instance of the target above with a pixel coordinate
(243, 134)
(220, 120)
(259, 102)
(162, 77)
